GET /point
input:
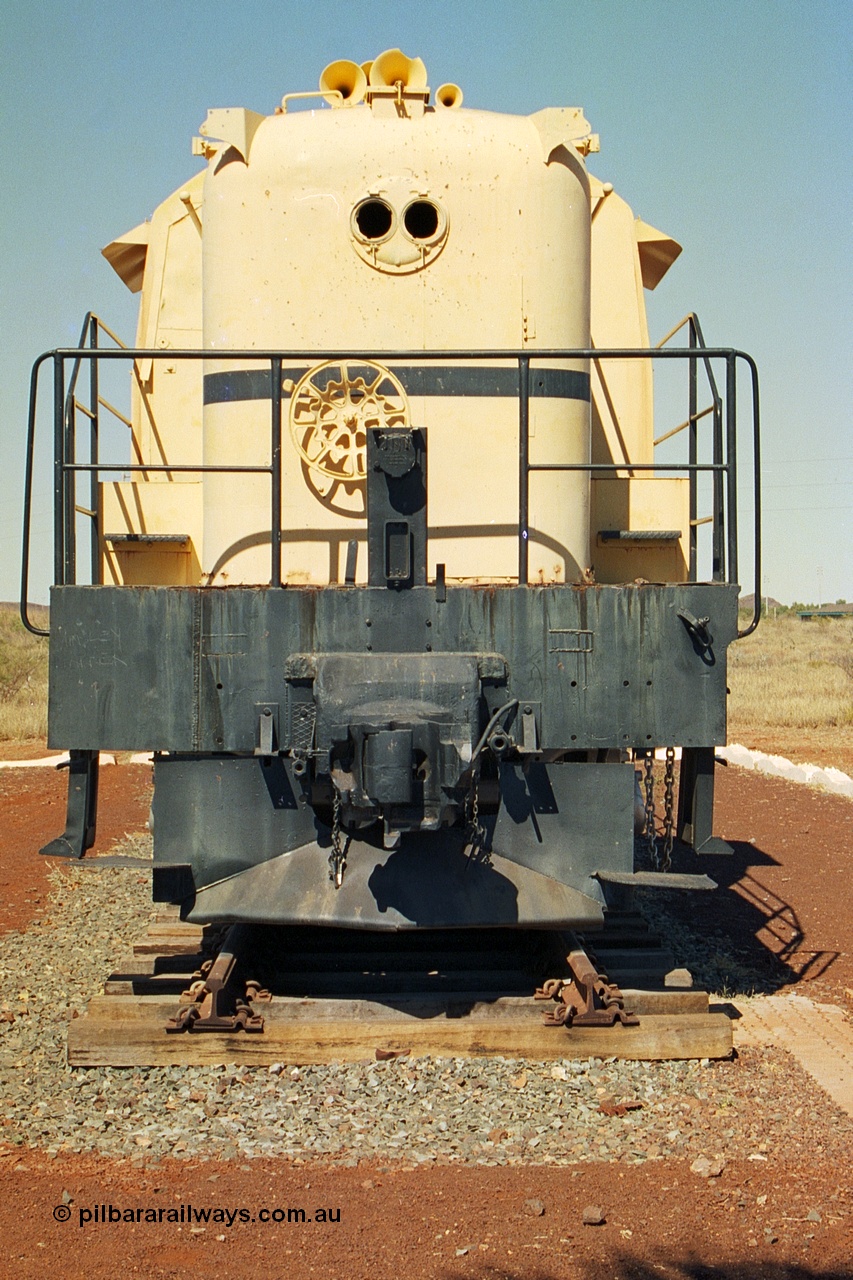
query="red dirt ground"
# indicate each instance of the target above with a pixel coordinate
(32, 812)
(784, 896)
(436, 1223)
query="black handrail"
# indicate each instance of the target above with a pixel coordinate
(65, 466)
(64, 519)
(756, 481)
(28, 498)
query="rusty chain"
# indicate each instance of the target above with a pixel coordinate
(649, 806)
(669, 821)
(661, 855)
(475, 833)
(337, 858)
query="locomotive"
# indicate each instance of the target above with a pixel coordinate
(393, 586)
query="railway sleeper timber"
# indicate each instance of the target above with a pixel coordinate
(122, 1033)
(125, 1027)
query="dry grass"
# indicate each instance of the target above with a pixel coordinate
(792, 674)
(23, 676)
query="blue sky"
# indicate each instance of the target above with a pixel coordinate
(728, 126)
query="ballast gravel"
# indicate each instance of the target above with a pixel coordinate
(491, 1111)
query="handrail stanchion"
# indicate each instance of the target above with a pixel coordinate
(275, 471)
(94, 455)
(523, 467)
(28, 503)
(756, 485)
(731, 465)
(718, 564)
(70, 490)
(693, 438)
(58, 470)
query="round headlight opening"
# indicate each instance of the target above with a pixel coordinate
(373, 219)
(421, 219)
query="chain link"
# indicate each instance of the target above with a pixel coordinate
(649, 807)
(337, 858)
(661, 855)
(476, 832)
(669, 820)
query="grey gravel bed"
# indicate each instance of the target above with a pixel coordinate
(720, 964)
(489, 1111)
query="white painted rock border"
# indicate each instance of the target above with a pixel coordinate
(778, 767)
(51, 762)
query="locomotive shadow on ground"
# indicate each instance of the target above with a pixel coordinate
(623, 1267)
(727, 923)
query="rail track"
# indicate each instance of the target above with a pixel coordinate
(187, 994)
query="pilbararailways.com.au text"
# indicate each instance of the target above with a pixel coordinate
(191, 1215)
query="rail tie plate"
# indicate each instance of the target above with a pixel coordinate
(586, 998)
(214, 988)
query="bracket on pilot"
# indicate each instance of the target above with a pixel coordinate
(396, 507)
